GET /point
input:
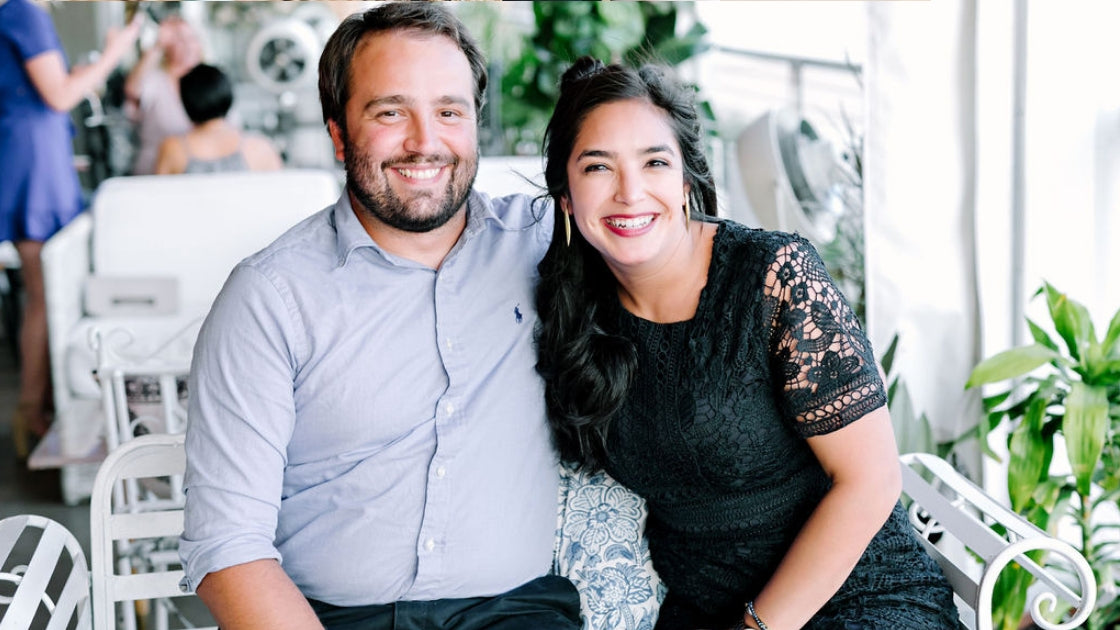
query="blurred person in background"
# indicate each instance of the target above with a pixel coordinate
(213, 144)
(39, 189)
(152, 90)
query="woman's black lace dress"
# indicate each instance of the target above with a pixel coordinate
(713, 436)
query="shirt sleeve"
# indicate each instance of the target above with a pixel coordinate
(241, 418)
(32, 31)
(822, 359)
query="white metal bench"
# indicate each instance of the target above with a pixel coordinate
(947, 507)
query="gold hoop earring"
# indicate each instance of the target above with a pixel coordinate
(687, 213)
(567, 230)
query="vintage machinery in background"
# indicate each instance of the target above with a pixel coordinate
(276, 67)
(800, 174)
(269, 49)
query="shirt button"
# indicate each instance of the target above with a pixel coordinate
(440, 472)
(448, 408)
(430, 544)
(449, 344)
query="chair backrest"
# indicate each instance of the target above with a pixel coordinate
(149, 534)
(974, 538)
(196, 228)
(501, 175)
(44, 580)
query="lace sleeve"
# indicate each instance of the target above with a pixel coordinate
(821, 357)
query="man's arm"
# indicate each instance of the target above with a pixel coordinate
(242, 416)
(272, 601)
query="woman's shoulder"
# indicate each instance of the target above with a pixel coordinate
(172, 156)
(738, 241)
(29, 28)
(260, 153)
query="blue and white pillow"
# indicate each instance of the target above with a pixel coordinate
(602, 550)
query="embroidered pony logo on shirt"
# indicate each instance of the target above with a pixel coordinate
(517, 313)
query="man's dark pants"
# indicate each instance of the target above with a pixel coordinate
(546, 603)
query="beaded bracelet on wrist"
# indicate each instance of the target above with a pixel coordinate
(754, 615)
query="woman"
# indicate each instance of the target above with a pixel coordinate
(718, 372)
(152, 90)
(213, 144)
(39, 190)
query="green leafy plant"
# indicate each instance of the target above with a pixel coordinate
(912, 430)
(843, 255)
(628, 32)
(1060, 391)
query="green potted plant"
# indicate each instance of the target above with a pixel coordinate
(612, 31)
(1060, 390)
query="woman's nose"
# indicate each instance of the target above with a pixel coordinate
(631, 187)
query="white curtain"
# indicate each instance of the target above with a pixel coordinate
(965, 217)
(920, 203)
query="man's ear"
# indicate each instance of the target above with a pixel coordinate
(338, 140)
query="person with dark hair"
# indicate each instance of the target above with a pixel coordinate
(39, 188)
(368, 445)
(213, 144)
(718, 372)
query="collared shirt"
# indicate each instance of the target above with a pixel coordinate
(375, 424)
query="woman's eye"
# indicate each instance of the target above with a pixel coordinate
(658, 162)
(591, 168)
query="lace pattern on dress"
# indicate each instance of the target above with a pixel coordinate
(822, 359)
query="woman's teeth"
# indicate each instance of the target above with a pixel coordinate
(630, 224)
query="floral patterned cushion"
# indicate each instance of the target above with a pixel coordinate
(601, 549)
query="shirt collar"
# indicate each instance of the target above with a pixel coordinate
(351, 235)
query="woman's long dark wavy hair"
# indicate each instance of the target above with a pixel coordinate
(587, 367)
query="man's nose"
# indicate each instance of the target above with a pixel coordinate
(422, 138)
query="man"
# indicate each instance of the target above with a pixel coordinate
(368, 446)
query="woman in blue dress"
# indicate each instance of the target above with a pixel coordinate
(39, 190)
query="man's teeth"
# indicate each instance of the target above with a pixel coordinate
(419, 173)
(630, 224)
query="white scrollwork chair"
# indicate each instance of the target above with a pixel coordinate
(948, 507)
(44, 580)
(118, 531)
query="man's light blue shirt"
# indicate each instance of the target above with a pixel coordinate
(375, 424)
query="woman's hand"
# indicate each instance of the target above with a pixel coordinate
(61, 90)
(120, 40)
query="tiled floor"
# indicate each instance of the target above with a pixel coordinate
(23, 491)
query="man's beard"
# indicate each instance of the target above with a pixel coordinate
(426, 211)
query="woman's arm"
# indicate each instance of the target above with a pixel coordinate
(62, 90)
(862, 461)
